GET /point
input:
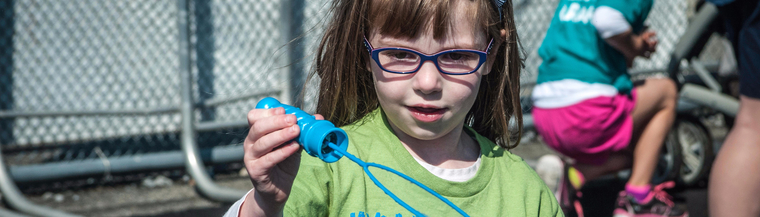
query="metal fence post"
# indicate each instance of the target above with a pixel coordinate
(204, 54)
(205, 186)
(6, 69)
(291, 23)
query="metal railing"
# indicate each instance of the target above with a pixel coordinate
(184, 49)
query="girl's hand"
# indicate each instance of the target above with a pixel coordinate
(271, 157)
(648, 43)
(632, 45)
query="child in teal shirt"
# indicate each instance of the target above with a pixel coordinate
(587, 108)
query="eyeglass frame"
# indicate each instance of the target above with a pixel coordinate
(374, 54)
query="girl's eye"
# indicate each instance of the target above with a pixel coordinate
(454, 56)
(402, 55)
(457, 56)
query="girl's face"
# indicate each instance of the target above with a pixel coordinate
(428, 104)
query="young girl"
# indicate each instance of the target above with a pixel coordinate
(442, 121)
(587, 108)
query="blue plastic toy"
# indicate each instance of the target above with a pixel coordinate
(316, 135)
(320, 138)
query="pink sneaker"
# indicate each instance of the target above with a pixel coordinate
(660, 204)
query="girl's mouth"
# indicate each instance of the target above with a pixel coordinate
(426, 113)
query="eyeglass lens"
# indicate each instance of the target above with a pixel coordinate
(451, 62)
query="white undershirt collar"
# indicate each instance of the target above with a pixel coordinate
(454, 175)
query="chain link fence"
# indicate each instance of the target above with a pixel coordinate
(100, 79)
(88, 83)
(121, 57)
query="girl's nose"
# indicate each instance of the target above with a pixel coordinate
(428, 79)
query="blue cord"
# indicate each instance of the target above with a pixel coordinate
(366, 166)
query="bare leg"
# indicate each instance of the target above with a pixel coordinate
(652, 119)
(734, 188)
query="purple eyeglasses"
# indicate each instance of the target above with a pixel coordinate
(407, 61)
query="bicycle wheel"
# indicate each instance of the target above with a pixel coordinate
(697, 151)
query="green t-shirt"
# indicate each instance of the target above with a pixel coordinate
(572, 48)
(504, 185)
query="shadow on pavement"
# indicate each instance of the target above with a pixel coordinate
(218, 211)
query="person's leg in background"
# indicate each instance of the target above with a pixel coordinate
(734, 188)
(734, 185)
(653, 117)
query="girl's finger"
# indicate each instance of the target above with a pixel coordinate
(271, 141)
(278, 155)
(257, 114)
(268, 125)
(319, 117)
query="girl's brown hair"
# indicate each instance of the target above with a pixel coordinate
(347, 91)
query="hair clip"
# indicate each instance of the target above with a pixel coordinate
(499, 4)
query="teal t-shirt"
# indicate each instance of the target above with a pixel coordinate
(572, 48)
(504, 185)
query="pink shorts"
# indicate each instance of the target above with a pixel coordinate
(590, 130)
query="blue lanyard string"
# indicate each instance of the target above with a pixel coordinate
(366, 166)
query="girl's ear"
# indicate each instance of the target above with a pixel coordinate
(499, 42)
(495, 50)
